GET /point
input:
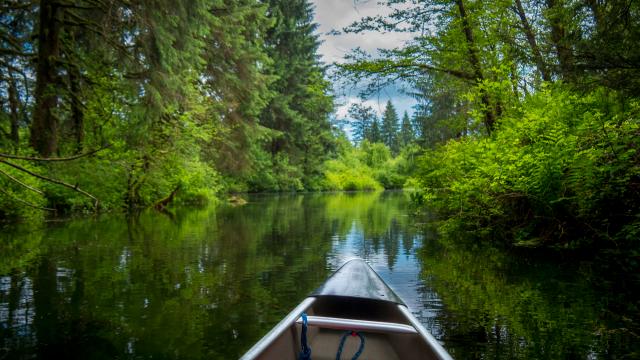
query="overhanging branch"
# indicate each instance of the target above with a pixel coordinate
(386, 67)
(24, 202)
(21, 183)
(29, 158)
(54, 181)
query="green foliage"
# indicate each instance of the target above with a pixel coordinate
(275, 174)
(560, 170)
(349, 174)
(298, 114)
(407, 133)
(364, 123)
(374, 154)
(214, 95)
(389, 128)
(369, 166)
(15, 197)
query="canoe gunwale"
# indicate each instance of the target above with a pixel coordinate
(284, 325)
(358, 325)
(426, 335)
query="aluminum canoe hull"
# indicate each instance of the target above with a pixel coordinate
(354, 299)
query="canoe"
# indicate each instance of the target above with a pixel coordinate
(353, 315)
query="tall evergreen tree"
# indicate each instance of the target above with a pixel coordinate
(389, 128)
(236, 84)
(136, 41)
(406, 136)
(171, 91)
(298, 114)
(374, 135)
(362, 120)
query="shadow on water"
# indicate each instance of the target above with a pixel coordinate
(530, 304)
(209, 282)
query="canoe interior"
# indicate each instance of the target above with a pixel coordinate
(324, 342)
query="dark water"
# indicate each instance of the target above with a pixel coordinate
(208, 283)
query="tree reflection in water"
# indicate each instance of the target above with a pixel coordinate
(209, 282)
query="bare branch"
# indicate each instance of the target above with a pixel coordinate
(29, 158)
(25, 202)
(21, 183)
(55, 181)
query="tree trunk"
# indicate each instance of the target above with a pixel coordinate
(14, 114)
(528, 31)
(160, 205)
(474, 60)
(77, 114)
(44, 129)
(560, 40)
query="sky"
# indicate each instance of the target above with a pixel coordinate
(336, 14)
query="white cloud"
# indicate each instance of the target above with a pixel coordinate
(342, 112)
(336, 14)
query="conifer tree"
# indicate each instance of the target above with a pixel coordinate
(375, 134)
(362, 120)
(298, 114)
(236, 82)
(389, 128)
(406, 131)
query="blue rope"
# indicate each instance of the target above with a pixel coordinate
(305, 353)
(344, 338)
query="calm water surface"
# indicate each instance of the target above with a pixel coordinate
(208, 283)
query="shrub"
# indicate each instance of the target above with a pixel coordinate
(562, 170)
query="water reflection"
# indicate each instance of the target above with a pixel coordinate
(530, 305)
(207, 283)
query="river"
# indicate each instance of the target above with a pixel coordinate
(209, 282)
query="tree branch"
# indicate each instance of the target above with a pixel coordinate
(25, 202)
(455, 73)
(78, 7)
(55, 181)
(10, 39)
(5, 51)
(29, 158)
(388, 66)
(21, 183)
